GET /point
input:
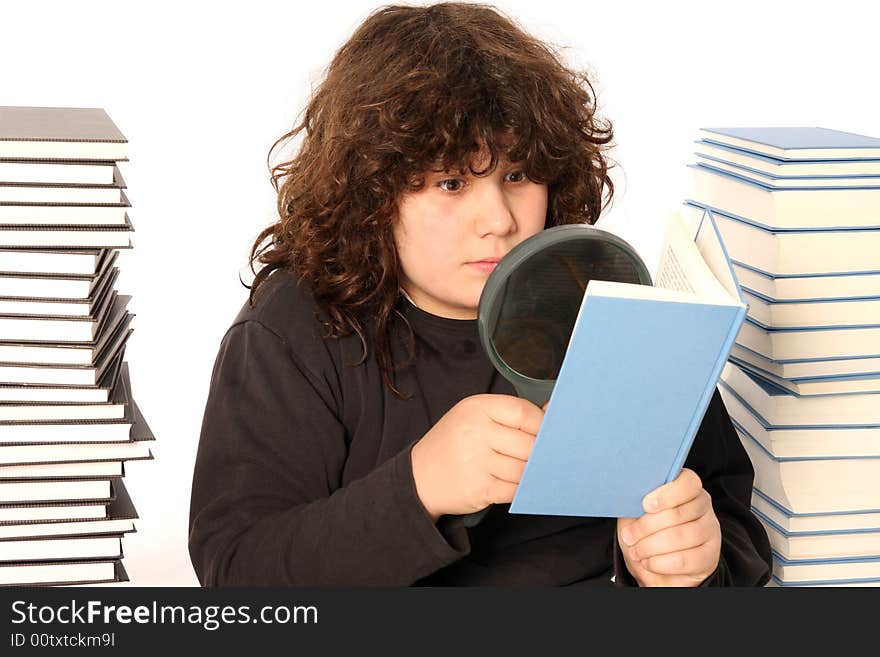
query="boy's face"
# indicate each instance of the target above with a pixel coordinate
(450, 233)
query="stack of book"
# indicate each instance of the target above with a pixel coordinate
(68, 421)
(799, 211)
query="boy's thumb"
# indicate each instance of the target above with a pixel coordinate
(544, 407)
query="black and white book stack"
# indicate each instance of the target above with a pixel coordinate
(799, 211)
(68, 422)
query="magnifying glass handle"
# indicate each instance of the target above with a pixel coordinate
(538, 394)
(471, 519)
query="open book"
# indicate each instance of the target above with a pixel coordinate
(639, 372)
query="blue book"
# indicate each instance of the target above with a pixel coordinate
(639, 372)
(806, 343)
(799, 208)
(786, 442)
(799, 253)
(780, 406)
(797, 143)
(785, 168)
(790, 182)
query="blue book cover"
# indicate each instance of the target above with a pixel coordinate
(640, 369)
(797, 143)
(768, 187)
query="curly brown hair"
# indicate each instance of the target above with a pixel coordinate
(417, 89)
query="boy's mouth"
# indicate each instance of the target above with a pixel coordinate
(486, 265)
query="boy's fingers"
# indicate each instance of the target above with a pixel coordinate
(703, 558)
(654, 522)
(506, 468)
(515, 413)
(500, 491)
(685, 487)
(672, 539)
(512, 442)
(624, 531)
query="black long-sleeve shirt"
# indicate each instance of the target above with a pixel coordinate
(303, 475)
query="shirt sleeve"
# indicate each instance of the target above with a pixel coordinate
(720, 460)
(267, 507)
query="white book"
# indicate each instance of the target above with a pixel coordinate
(44, 393)
(786, 209)
(57, 262)
(800, 442)
(65, 431)
(99, 237)
(30, 512)
(86, 469)
(75, 452)
(820, 313)
(805, 252)
(808, 368)
(45, 308)
(64, 215)
(816, 485)
(60, 375)
(65, 364)
(49, 172)
(40, 328)
(788, 182)
(62, 573)
(807, 572)
(776, 167)
(802, 288)
(782, 407)
(58, 286)
(62, 133)
(118, 519)
(810, 343)
(48, 329)
(100, 547)
(30, 412)
(47, 287)
(813, 523)
(775, 582)
(821, 546)
(60, 194)
(53, 491)
(837, 385)
(75, 528)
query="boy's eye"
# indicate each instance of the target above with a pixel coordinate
(451, 184)
(516, 176)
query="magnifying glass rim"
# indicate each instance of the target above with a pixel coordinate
(523, 251)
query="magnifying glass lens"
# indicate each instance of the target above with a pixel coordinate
(538, 303)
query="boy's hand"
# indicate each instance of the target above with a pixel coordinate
(677, 542)
(475, 455)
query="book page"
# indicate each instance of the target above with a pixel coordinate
(670, 275)
(682, 266)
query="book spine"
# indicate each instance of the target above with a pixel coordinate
(703, 404)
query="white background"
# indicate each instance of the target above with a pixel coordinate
(202, 90)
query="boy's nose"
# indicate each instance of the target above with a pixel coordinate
(493, 214)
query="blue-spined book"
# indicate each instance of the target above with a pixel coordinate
(783, 407)
(641, 367)
(799, 208)
(788, 182)
(797, 143)
(787, 168)
(798, 253)
(799, 442)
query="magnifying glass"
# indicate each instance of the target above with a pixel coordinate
(531, 300)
